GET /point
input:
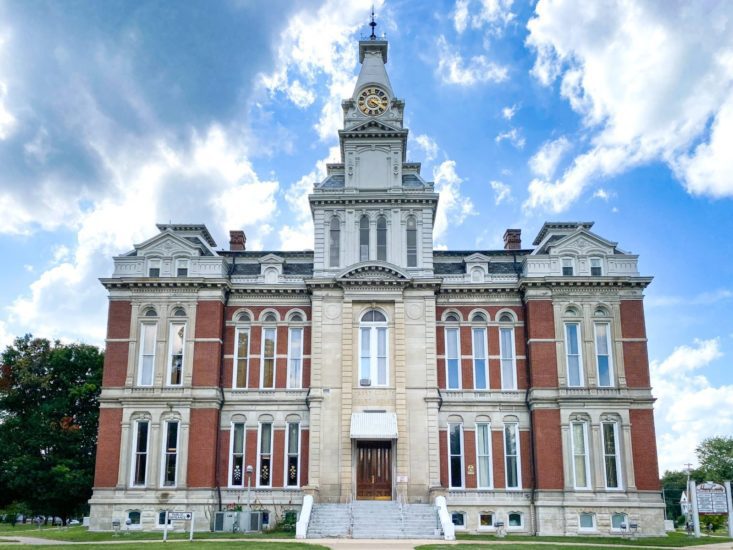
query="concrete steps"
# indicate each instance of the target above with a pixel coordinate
(368, 519)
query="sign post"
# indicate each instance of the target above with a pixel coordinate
(178, 516)
(730, 508)
(165, 528)
(695, 515)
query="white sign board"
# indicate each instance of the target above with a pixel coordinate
(178, 516)
(711, 499)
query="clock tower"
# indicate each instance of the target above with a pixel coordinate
(373, 205)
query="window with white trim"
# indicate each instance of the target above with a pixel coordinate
(452, 358)
(364, 239)
(486, 520)
(181, 268)
(161, 518)
(604, 361)
(619, 522)
(567, 267)
(170, 454)
(507, 353)
(241, 352)
(373, 349)
(581, 460)
(480, 364)
(573, 355)
(455, 455)
(141, 439)
(264, 455)
(511, 455)
(611, 455)
(236, 455)
(458, 519)
(334, 245)
(176, 342)
(596, 267)
(292, 458)
(411, 242)
(153, 268)
(295, 357)
(269, 339)
(516, 520)
(586, 521)
(133, 518)
(146, 364)
(483, 455)
(382, 238)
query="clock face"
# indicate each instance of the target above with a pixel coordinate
(373, 101)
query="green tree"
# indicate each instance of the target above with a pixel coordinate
(674, 484)
(715, 455)
(48, 424)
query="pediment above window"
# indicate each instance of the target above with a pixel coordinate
(582, 242)
(374, 272)
(167, 244)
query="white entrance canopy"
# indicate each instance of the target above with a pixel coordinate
(374, 425)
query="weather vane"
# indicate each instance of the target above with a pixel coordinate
(373, 24)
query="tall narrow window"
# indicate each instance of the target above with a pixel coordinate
(264, 479)
(236, 450)
(381, 239)
(511, 455)
(181, 268)
(572, 352)
(374, 357)
(596, 269)
(455, 451)
(170, 454)
(567, 267)
(154, 268)
(334, 245)
(267, 379)
(176, 341)
(508, 358)
(241, 359)
(140, 453)
(479, 358)
(611, 458)
(295, 358)
(293, 451)
(411, 242)
(147, 354)
(483, 455)
(363, 239)
(603, 354)
(581, 466)
(452, 358)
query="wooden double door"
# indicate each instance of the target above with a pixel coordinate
(374, 470)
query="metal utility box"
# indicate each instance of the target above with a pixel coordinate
(235, 522)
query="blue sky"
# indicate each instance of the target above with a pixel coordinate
(118, 115)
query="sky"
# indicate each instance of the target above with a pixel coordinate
(117, 115)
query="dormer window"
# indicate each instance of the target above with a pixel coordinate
(567, 267)
(596, 269)
(181, 268)
(154, 268)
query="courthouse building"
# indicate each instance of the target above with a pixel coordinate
(514, 382)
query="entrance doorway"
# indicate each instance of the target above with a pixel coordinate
(374, 470)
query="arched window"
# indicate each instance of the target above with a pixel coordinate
(364, 239)
(382, 239)
(411, 242)
(241, 350)
(150, 312)
(507, 352)
(296, 318)
(478, 317)
(179, 312)
(451, 318)
(269, 345)
(373, 349)
(334, 246)
(269, 318)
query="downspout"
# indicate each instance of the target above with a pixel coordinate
(222, 398)
(527, 362)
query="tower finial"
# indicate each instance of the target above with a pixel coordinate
(372, 25)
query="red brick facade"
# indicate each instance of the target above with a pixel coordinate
(548, 448)
(643, 442)
(202, 448)
(108, 447)
(116, 352)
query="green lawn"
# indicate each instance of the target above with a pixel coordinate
(211, 545)
(82, 534)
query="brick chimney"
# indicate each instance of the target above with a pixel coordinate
(237, 240)
(513, 239)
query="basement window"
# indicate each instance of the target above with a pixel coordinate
(459, 519)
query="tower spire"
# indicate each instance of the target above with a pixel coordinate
(373, 24)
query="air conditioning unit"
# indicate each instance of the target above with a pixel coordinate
(226, 522)
(250, 521)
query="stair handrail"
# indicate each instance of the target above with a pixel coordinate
(449, 530)
(301, 527)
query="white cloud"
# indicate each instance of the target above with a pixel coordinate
(689, 408)
(453, 207)
(502, 192)
(652, 82)
(428, 145)
(602, 194)
(493, 13)
(544, 162)
(7, 120)
(702, 299)
(460, 16)
(300, 95)
(454, 69)
(513, 136)
(509, 112)
(299, 236)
